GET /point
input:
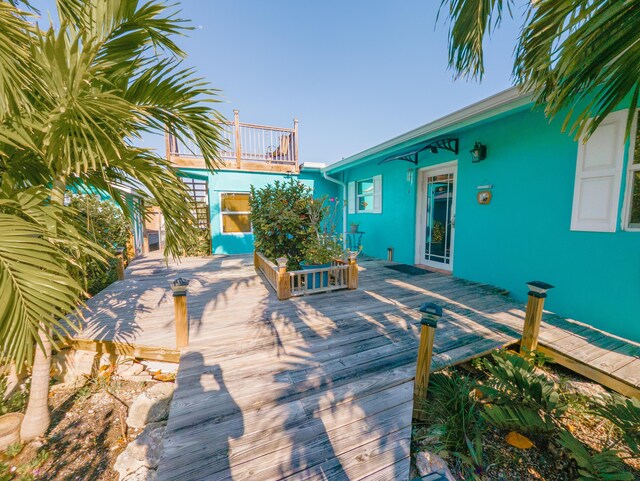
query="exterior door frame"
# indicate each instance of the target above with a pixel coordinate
(421, 212)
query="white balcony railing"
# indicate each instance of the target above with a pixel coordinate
(248, 145)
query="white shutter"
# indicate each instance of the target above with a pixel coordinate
(377, 194)
(351, 198)
(596, 193)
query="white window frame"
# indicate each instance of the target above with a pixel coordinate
(376, 196)
(229, 212)
(631, 169)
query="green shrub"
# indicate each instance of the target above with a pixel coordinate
(280, 220)
(199, 244)
(322, 249)
(106, 225)
(288, 222)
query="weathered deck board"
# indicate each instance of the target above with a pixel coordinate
(318, 387)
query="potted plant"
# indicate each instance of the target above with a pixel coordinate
(354, 227)
(320, 251)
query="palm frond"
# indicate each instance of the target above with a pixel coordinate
(583, 57)
(37, 246)
(470, 21)
(625, 414)
(579, 58)
(15, 32)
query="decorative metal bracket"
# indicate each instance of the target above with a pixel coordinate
(450, 144)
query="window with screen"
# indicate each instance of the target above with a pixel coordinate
(235, 210)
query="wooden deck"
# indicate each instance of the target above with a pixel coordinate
(320, 387)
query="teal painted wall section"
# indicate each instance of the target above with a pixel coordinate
(524, 233)
(240, 181)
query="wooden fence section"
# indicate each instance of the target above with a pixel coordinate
(339, 275)
(247, 147)
(322, 279)
(268, 268)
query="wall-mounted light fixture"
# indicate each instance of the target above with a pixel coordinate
(478, 153)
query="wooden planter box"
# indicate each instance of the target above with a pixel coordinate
(339, 275)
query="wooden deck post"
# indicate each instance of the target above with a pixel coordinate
(284, 284)
(236, 126)
(431, 313)
(533, 317)
(120, 263)
(352, 277)
(179, 288)
(256, 260)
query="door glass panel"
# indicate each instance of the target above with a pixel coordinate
(439, 204)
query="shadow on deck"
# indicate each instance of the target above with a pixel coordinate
(318, 387)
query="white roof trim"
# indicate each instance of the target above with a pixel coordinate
(312, 165)
(501, 99)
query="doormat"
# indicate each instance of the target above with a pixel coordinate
(407, 269)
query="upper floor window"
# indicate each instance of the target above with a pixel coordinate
(235, 212)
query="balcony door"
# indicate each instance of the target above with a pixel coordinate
(436, 215)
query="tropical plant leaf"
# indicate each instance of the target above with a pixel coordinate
(625, 414)
(605, 465)
(580, 59)
(37, 246)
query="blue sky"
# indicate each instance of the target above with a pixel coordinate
(355, 73)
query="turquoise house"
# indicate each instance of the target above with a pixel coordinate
(495, 193)
(255, 155)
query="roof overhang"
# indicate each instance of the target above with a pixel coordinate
(506, 101)
(312, 166)
(411, 155)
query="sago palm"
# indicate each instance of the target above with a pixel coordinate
(578, 58)
(74, 102)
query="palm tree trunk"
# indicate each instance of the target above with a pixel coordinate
(37, 417)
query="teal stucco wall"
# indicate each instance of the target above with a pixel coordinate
(241, 181)
(524, 233)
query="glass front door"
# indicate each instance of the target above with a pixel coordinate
(439, 189)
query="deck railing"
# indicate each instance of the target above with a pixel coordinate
(340, 275)
(247, 145)
(321, 279)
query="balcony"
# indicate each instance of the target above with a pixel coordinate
(248, 147)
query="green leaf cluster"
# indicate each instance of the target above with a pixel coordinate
(521, 398)
(75, 98)
(104, 223)
(39, 249)
(603, 466)
(578, 58)
(455, 419)
(518, 396)
(624, 413)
